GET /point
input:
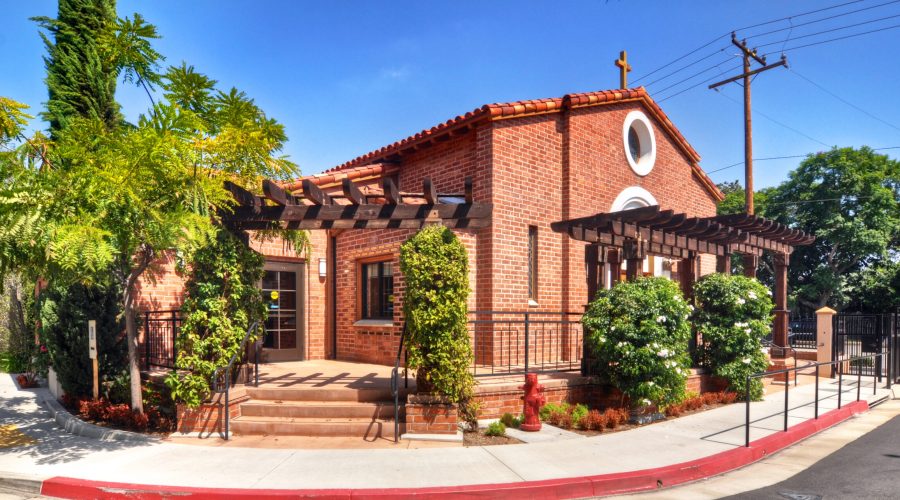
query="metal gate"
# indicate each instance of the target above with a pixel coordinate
(865, 334)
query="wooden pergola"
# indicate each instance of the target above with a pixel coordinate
(388, 208)
(631, 235)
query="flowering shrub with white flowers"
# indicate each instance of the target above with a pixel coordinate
(733, 315)
(638, 334)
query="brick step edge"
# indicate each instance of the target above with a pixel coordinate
(319, 409)
(575, 487)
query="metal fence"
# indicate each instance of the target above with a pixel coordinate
(802, 332)
(857, 335)
(159, 331)
(517, 342)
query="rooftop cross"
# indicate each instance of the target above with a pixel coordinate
(624, 68)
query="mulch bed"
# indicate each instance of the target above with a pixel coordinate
(478, 438)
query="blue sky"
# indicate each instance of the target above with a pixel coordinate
(346, 77)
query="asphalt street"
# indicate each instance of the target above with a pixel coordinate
(868, 467)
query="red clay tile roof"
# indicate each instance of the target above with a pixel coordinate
(333, 178)
(357, 166)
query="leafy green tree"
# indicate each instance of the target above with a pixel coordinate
(876, 288)
(81, 81)
(102, 199)
(850, 200)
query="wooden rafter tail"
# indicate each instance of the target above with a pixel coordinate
(277, 194)
(352, 192)
(244, 198)
(314, 194)
(470, 198)
(391, 193)
(429, 192)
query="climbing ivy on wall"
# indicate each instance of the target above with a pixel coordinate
(222, 300)
(435, 270)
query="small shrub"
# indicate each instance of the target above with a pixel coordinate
(728, 397)
(551, 408)
(555, 417)
(711, 398)
(675, 410)
(616, 417)
(496, 429)
(578, 412)
(565, 420)
(693, 404)
(93, 410)
(511, 420)
(593, 421)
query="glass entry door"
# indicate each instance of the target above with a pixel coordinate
(282, 288)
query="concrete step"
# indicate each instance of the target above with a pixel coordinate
(367, 428)
(316, 394)
(319, 409)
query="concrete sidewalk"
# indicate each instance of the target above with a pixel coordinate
(686, 439)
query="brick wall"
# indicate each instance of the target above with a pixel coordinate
(430, 415)
(208, 418)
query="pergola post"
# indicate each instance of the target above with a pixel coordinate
(687, 274)
(614, 257)
(723, 263)
(780, 332)
(634, 259)
(594, 257)
(751, 262)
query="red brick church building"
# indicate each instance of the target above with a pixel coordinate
(536, 161)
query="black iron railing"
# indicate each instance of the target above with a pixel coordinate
(223, 376)
(840, 367)
(802, 332)
(516, 342)
(160, 329)
(395, 383)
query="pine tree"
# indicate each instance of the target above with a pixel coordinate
(81, 79)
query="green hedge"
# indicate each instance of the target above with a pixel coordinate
(435, 270)
(733, 315)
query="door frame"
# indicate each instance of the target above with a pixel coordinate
(299, 353)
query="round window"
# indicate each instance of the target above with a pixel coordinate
(640, 142)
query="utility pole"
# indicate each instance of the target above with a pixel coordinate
(748, 125)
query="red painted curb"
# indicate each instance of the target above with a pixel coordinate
(576, 487)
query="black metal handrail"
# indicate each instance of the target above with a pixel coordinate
(395, 384)
(225, 372)
(513, 342)
(839, 362)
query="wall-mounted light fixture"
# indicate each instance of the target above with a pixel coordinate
(323, 268)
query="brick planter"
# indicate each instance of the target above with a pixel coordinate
(209, 417)
(429, 414)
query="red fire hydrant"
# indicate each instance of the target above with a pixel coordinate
(533, 399)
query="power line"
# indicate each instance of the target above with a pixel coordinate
(848, 103)
(782, 158)
(720, 73)
(814, 21)
(695, 75)
(688, 66)
(798, 15)
(835, 39)
(773, 120)
(831, 30)
(725, 35)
